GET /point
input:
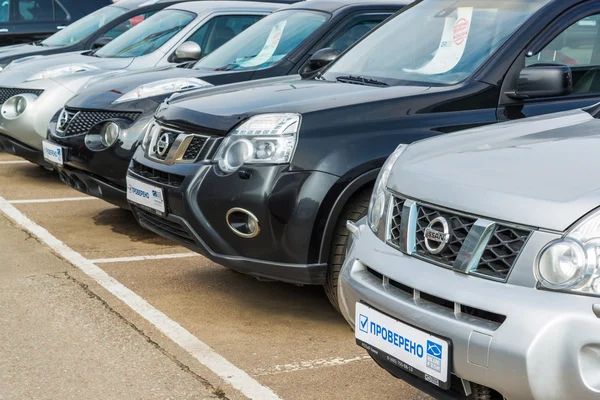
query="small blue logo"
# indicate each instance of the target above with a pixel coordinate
(434, 349)
(363, 323)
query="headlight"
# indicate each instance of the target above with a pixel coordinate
(55, 72)
(15, 106)
(109, 134)
(573, 262)
(380, 194)
(162, 87)
(263, 139)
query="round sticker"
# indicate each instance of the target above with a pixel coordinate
(461, 31)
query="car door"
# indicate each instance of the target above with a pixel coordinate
(572, 40)
(36, 19)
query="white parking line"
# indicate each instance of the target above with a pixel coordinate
(143, 258)
(14, 162)
(42, 201)
(313, 364)
(178, 334)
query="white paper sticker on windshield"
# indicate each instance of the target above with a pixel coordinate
(453, 44)
(269, 48)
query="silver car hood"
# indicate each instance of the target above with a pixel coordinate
(22, 69)
(537, 172)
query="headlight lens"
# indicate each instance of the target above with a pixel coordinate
(263, 139)
(55, 72)
(162, 87)
(109, 134)
(573, 263)
(380, 194)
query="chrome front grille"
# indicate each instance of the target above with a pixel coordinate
(454, 240)
(7, 93)
(169, 146)
(80, 122)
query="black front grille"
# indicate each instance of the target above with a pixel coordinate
(169, 229)
(83, 121)
(7, 93)
(502, 251)
(459, 229)
(155, 175)
(194, 148)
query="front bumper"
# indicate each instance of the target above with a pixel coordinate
(31, 127)
(546, 348)
(14, 147)
(285, 203)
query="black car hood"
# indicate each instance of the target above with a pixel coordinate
(23, 50)
(219, 109)
(103, 93)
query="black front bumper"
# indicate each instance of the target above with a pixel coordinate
(198, 199)
(14, 147)
(92, 185)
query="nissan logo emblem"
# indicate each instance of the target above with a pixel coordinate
(63, 120)
(437, 235)
(163, 144)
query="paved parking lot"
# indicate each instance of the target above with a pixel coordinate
(145, 318)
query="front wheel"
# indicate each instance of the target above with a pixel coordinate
(355, 210)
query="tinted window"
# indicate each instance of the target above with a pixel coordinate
(84, 27)
(435, 42)
(352, 33)
(59, 13)
(36, 10)
(4, 10)
(147, 36)
(220, 30)
(266, 42)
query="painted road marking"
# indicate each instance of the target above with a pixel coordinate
(305, 365)
(42, 201)
(15, 162)
(143, 258)
(178, 334)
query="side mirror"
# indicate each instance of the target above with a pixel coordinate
(547, 80)
(318, 61)
(188, 51)
(101, 42)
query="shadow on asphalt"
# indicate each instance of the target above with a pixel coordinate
(122, 222)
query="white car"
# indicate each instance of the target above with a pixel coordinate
(33, 90)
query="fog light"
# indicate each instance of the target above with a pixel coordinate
(15, 106)
(109, 134)
(243, 223)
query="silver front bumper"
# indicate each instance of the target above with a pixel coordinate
(548, 347)
(31, 127)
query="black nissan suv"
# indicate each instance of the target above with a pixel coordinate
(263, 180)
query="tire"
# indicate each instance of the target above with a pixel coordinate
(355, 209)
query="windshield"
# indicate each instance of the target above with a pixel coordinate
(84, 27)
(266, 42)
(148, 36)
(436, 42)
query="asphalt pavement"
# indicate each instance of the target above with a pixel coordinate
(93, 306)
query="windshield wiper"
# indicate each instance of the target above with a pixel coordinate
(360, 80)
(38, 43)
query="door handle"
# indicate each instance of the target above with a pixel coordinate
(61, 27)
(3, 30)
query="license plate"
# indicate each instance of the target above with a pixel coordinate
(415, 351)
(53, 153)
(145, 195)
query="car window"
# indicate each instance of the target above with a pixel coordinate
(578, 47)
(35, 10)
(436, 42)
(147, 36)
(84, 27)
(220, 30)
(266, 42)
(59, 12)
(4, 10)
(347, 37)
(126, 25)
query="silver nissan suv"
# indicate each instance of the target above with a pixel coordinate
(476, 273)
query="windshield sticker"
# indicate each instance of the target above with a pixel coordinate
(269, 48)
(453, 44)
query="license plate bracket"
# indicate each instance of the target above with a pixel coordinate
(147, 196)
